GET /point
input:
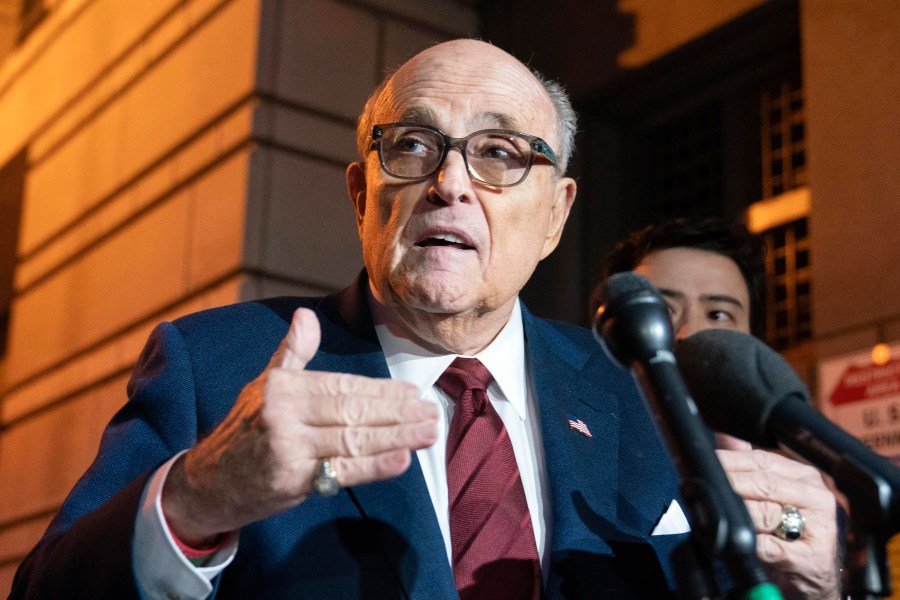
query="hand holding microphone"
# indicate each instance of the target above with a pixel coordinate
(746, 389)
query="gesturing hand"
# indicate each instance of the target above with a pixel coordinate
(263, 457)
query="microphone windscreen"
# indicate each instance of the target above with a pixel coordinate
(621, 285)
(736, 380)
(633, 321)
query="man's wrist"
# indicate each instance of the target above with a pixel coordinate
(179, 515)
(198, 555)
(161, 567)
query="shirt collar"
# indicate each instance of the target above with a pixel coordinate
(504, 357)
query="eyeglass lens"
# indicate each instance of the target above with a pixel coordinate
(494, 158)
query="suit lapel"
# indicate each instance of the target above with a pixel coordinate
(607, 490)
(349, 345)
(581, 470)
(596, 482)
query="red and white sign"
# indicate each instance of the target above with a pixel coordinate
(864, 398)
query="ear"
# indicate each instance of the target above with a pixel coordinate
(356, 187)
(563, 198)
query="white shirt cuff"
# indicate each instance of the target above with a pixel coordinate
(160, 568)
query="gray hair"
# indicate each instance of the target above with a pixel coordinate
(566, 118)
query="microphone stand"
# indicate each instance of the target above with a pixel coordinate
(873, 520)
(721, 527)
(694, 573)
(866, 573)
(635, 329)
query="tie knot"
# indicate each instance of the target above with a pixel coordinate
(463, 375)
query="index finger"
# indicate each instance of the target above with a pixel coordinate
(326, 399)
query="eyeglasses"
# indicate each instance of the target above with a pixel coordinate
(497, 157)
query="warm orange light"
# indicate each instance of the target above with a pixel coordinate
(881, 354)
(787, 207)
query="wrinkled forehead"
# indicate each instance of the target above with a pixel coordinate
(461, 90)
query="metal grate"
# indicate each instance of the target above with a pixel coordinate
(680, 165)
(783, 138)
(788, 284)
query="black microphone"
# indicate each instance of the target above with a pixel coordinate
(634, 327)
(746, 389)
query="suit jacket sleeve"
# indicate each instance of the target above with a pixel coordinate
(86, 551)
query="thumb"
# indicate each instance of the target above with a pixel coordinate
(300, 343)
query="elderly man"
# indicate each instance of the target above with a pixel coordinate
(418, 435)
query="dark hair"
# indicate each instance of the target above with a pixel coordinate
(728, 238)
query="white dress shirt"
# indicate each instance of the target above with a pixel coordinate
(512, 395)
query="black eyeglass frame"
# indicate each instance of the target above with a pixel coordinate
(536, 145)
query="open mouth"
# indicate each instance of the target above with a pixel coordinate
(444, 239)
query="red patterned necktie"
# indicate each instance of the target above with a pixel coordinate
(494, 552)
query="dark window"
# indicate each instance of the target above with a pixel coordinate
(680, 162)
(783, 136)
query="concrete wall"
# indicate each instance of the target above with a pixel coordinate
(135, 118)
(852, 77)
(180, 155)
(851, 71)
(9, 24)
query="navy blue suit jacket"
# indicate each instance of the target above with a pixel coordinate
(379, 540)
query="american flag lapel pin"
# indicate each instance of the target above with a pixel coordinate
(579, 426)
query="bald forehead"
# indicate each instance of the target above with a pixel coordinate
(475, 82)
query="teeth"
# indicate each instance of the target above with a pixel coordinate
(449, 237)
